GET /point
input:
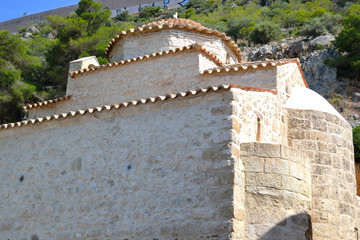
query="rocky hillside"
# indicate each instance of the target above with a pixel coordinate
(342, 93)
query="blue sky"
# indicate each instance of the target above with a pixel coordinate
(10, 9)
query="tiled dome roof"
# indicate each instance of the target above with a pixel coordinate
(175, 23)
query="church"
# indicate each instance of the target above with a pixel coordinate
(177, 138)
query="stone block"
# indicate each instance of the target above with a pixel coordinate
(235, 151)
(239, 213)
(326, 205)
(320, 125)
(267, 150)
(276, 165)
(250, 179)
(295, 185)
(323, 158)
(214, 152)
(253, 164)
(302, 124)
(236, 124)
(319, 216)
(247, 149)
(288, 152)
(297, 171)
(269, 180)
(222, 178)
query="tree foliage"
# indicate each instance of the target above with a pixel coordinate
(14, 92)
(356, 142)
(150, 12)
(348, 42)
(327, 23)
(265, 32)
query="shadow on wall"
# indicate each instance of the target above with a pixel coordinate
(295, 227)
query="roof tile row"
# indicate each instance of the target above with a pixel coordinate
(157, 54)
(133, 103)
(47, 102)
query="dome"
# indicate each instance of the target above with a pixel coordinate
(306, 99)
(174, 23)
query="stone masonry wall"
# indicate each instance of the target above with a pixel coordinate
(257, 117)
(150, 78)
(145, 44)
(156, 171)
(328, 141)
(277, 192)
(288, 76)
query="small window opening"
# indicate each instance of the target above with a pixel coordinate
(356, 233)
(228, 58)
(258, 133)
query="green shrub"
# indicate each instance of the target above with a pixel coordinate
(265, 32)
(319, 47)
(236, 27)
(348, 42)
(322, 25)
(123, 16)
(150, 12)
(356, 142)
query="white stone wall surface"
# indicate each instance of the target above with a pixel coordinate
(288, 76)
(328, 141)
(277, 192)
(162, 170)
(149, 78)
(257, 116)
(133, 46)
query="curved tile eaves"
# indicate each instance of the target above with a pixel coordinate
(133, 103)
(255, 66)
(46, 103)
(193, 28)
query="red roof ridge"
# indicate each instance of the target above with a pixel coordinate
(134, 103)
(195, 46)
(46, 103)
(177, 23)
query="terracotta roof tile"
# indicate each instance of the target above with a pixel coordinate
(47, 102)
(158, 54)
(255, 65)
(133, 103)
(175, 23)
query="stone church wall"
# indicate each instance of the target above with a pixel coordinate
(134, 46)
(155, 171)
(277, 192)
(328, 140)
(257, 116)
(172, 73)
